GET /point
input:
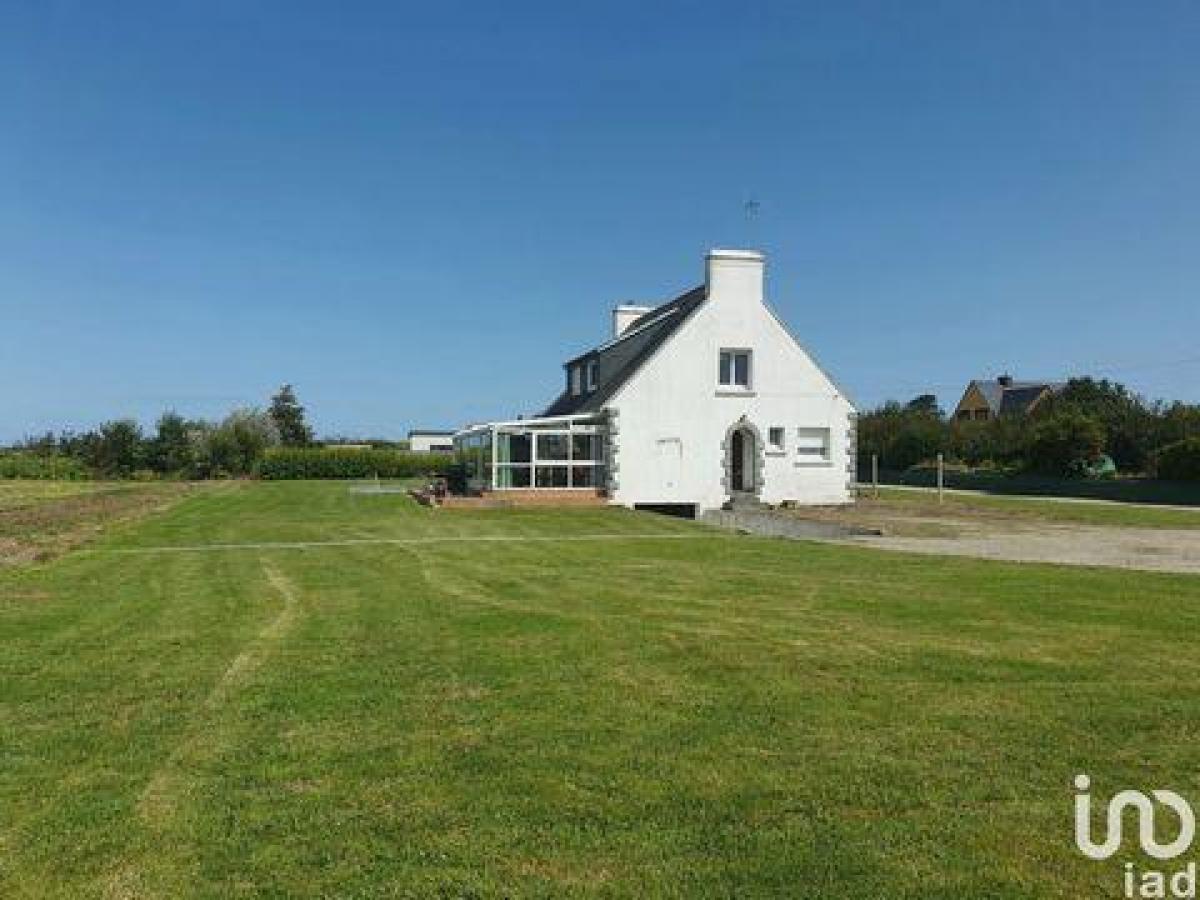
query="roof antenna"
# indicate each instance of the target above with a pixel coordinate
(751, 209)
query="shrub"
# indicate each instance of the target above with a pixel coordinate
(1066, 443)
(236, 446)
(33, 465)
(1179, 461)
(118, 450)
(900, 436)
(1128, 421)
(288, 463)
(1177, 422)
(915, 443)
(172, 450)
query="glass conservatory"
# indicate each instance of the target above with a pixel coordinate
(554, 453)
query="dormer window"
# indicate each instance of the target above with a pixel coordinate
(591, 375)
(733, 370)
(575, 381)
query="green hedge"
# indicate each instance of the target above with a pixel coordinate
(1179, 461)
(32, 465)
(290, 463)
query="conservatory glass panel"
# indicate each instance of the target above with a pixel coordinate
(513, 448)
(585, 447)
(552, 476)
(512, 477)
(586, 476)
(552, 446)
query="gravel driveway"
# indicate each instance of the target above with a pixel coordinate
(1018, 530)
(1155, 549)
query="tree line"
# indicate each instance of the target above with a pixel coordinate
(1091, 428)
(179, 447)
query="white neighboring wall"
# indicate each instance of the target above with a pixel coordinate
(431, 442)
(671, 421)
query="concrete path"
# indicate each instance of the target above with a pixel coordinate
(767, 523)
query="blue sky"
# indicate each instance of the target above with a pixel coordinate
(415, 212)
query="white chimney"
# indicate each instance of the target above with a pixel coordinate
(625, 315)
(734, 276)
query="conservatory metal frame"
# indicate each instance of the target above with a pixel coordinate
(479, 447)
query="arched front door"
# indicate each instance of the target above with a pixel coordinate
(741, 461)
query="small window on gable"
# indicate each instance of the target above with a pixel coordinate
(733, 369)
(812, 445)
(591, 375)
(575, 381)
(775, 438)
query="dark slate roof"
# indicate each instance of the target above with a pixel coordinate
(618, 359)
(992, 392)
(1016, 397)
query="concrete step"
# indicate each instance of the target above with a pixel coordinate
(745, 503)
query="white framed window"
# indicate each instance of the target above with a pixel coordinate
(812, 446)
(775, 438)
(591, 375)
(575, 381)
(733, 369)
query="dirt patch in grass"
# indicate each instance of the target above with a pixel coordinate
(41, 528)
(1021, 532)
(14, 598)
(19, 492)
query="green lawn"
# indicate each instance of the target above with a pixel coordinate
(690, 715)
(1112, 514)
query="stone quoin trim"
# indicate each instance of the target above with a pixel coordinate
(851, 451)
(611, 455)
(760, 460)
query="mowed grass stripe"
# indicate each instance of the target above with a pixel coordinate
(443, 539)
(739, 717)
(298, 512)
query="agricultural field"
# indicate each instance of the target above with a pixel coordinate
(290, 689)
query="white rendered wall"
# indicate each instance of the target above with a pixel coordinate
(672, 419)
(625, 315)
(425, 443)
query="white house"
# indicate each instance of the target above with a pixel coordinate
(701, 401)
(427, 441)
